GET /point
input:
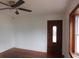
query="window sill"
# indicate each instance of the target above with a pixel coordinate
(73, 55)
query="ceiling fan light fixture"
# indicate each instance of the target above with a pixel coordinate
(17, 12)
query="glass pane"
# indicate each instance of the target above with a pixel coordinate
(54, 37)
(77, 45)
(77, 34)
(78, 24)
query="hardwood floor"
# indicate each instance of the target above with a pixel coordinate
(21, 53)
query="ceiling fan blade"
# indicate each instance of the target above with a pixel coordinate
(20, 2)
(27, 10)
(4, 3)
(5, 8)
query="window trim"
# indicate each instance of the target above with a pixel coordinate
(72, 33)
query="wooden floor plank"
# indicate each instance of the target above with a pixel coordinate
(21, 53)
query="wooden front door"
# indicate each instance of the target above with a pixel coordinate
(54, 34)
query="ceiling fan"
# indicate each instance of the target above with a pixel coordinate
(15, 5)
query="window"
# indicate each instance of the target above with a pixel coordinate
(74, 32)
(54, 37)
(77, 34)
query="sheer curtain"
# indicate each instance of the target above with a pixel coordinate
(77, 34)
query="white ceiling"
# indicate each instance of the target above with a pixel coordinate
(40, 6)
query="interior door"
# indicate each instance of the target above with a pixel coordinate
(54, 29)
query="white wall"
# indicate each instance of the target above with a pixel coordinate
(71, 6)
(26, 32)
(31, 31)
(6, 33)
